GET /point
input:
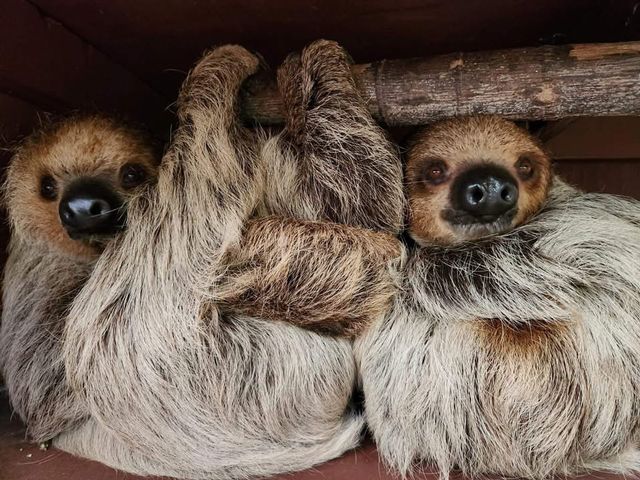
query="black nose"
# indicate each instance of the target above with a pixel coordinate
(486, 192)
(90, 207)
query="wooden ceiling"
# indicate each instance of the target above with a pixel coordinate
(160, 40)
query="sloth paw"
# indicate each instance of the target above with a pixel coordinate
(326, 62)
(232, 57)
(325, 66)
(317, 80)
(212, 86)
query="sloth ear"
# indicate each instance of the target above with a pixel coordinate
(4, 190)
(12, 152)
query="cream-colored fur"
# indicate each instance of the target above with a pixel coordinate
(516, 354)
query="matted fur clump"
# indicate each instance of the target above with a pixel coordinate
(177, 385)
(516, 354)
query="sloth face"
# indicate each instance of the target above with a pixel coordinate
(68, 186)
(471, 177)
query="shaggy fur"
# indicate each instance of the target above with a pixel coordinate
(328, 278)
(193, 392)
(332, 162)
(516, 354)
(46, 268)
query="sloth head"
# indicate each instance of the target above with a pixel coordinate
(68, 185)
(471, 177)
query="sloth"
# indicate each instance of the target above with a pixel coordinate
(66, 193)
(177, 343)
(513, 347)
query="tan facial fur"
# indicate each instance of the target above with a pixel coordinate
(94, 147)
(440, 153)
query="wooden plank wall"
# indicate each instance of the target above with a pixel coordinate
(600, 154)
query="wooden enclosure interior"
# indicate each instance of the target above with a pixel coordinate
(129, 58)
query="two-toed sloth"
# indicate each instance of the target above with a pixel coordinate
(66, 193)
(174, 341)
(514, 347)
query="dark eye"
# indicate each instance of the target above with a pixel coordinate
(132, 175)
(48, 188)
(435, 172)
(524, 167)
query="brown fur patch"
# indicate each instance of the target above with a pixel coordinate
(534, 192)
(428, 226)
(328, 277)
(520, 338)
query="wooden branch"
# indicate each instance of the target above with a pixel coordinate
(541, 83)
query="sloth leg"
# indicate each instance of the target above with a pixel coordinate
(332, 161)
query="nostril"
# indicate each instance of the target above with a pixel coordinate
(66, 212)
(99, 207)
(475, 194)
(509, 194)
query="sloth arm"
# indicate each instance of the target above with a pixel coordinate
(332, 162)
(513, 278)
(329, 278)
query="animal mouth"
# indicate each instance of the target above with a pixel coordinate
(99, 234)
(471, 226)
